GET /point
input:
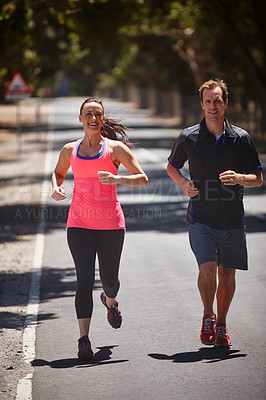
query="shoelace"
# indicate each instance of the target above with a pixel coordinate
(221, 332)
(208, 324)
(114, 311)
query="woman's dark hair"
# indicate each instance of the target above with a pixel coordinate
(110, 128)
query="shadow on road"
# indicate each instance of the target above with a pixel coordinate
(12, 320)
(168, 216)
(55, 283)
(208, 355)
(102, 357)
(61, 282)
(159, 206)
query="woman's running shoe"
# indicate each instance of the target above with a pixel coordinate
(114, 316)
(222, 337)
(85, 352)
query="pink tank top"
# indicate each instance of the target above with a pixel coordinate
(94, 205)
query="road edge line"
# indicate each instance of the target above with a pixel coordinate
(24, 388)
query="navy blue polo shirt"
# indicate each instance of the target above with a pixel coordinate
(216, 205)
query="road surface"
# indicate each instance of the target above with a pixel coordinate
(157, 353)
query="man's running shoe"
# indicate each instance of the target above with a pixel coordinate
(222, 338)
(208, 334)
(114, 316)
(85, 352)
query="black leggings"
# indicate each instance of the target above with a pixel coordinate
(84, 244)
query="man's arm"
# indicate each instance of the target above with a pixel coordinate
(188, 185)
(250, 180)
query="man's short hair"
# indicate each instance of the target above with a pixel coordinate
(211, 84)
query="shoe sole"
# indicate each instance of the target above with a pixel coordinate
(115, 327)
(86, 356)
(208, 343)
(223, 345)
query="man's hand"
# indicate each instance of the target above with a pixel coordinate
(189, 189)
(229, 178)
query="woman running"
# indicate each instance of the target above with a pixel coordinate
(96, 223)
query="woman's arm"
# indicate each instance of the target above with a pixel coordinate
(121, 154)
(60, 172)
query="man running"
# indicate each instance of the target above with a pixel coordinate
(222, 159)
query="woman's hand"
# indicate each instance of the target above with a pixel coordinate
(107, 178)
(58, 193)
(60, 171)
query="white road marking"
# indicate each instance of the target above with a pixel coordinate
(24, 389)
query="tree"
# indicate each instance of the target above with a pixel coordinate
(171, 43)
(34, 39)
(212, 38)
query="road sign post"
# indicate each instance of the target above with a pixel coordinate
(17, 89)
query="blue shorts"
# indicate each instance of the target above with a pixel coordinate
(224, 246)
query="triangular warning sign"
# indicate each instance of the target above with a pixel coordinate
(17, 87)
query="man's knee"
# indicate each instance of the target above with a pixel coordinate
(208, 270)
(226, 275)
(226, 272)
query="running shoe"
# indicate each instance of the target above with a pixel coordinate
(85, 352)
(222, 338)
(114, 316)
(208, 334)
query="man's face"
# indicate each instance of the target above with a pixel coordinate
(213, 104)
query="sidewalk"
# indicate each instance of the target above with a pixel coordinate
(21, 169)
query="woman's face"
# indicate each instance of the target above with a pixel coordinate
(92, 116)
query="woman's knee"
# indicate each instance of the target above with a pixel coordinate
(111, 290)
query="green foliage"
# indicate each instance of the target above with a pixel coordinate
(103, 43)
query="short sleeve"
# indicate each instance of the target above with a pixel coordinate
(178, 155)
(251, 162)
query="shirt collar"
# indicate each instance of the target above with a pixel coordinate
(229, 131)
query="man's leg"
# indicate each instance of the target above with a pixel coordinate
(225, 293)
(207, 285)
(207, 288)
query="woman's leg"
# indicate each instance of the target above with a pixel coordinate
(110, 245)
(84, 326)
(82, 244)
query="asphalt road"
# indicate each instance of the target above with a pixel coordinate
(157, 353)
